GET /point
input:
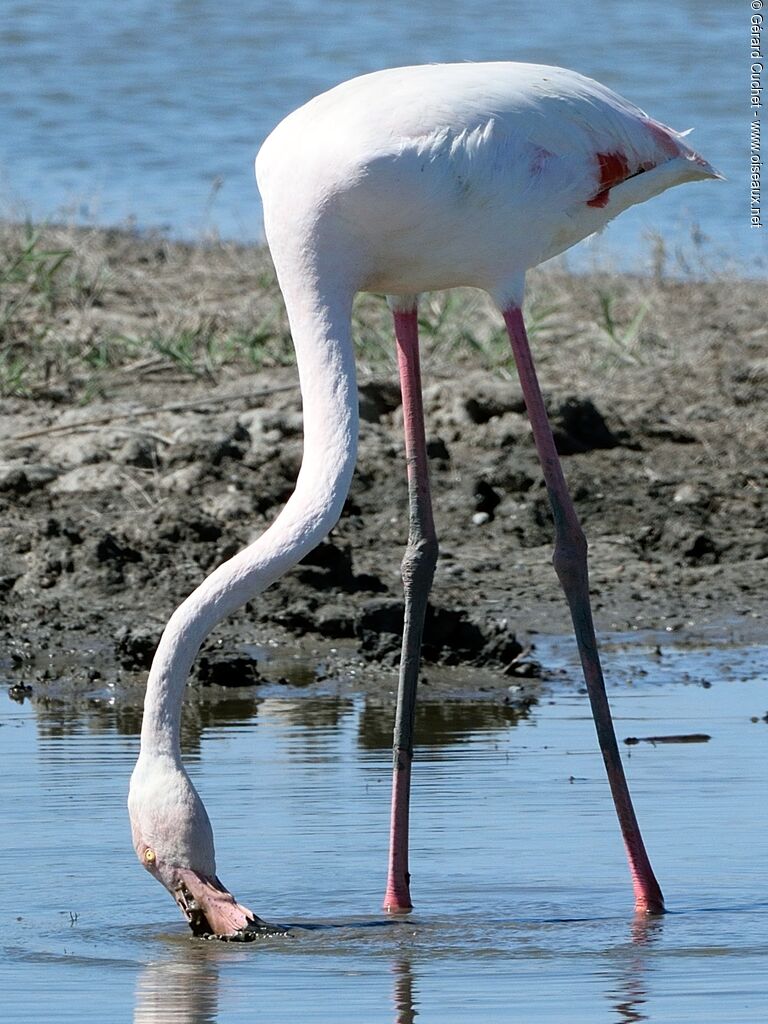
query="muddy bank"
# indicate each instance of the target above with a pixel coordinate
(151, 427)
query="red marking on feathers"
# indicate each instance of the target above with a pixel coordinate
(669, 142)
(613, 170)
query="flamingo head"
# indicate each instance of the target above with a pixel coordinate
(173, 840)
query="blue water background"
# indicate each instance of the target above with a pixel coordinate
(150, 114)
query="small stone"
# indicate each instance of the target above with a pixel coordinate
(480, 518)
(686, 494)
(334, 620)
(138, 451)
(14, 479)
(40, 476)
(182, 480)
(82, 479)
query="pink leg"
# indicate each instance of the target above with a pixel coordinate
(418, 568)
(570, 560)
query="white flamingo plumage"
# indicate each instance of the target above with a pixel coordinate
(403, 181)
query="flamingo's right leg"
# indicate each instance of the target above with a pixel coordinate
(570, 561)
(418, 569)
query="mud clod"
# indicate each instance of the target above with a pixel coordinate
(451, 637)
(226, 670)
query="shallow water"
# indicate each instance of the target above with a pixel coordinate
(155, 111)
(523, 900)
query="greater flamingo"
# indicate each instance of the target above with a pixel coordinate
(404, 181)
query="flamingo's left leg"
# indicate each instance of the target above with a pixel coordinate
(418, 568)
(570, 561)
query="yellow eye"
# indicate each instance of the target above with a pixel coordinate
(149, 856)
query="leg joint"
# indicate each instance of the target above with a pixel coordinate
(419, 561)
(570, 556)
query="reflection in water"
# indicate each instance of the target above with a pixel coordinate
(631, 993)
(105, 716)
(315, 716)
(185, 991)
(493, 933)
(405, 1012)
(437, 724)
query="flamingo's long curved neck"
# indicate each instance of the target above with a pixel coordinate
(320, 319)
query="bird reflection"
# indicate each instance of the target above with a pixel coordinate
(185, 990)
(630, 993)
(404, 991)
(94, 716)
